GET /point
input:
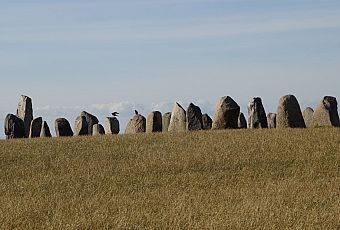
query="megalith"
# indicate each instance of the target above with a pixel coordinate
(166, 121)
(25, 112)
(194, 118)
(36, 126)
(45, 130)
(111, 125)
(154, 122)
(326, 114)
(137, 124)
(178, 121)
(207, 121)
(91, 120)
(226, 114)
(81, 127)
(289, 114)
(14, 127)
(242, 122)
(257, 117)
(63, 128)
(271, 120)
(308, 117)
(98, 129)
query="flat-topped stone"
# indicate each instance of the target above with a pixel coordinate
(14, 127)
(271, 120)
(326, 114)
(111, 125)
(166, 121)
(154, 122)
(63, 128)
(25, 112)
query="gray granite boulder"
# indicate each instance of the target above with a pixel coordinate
(166, 121)
(326, 114)
(111, 125)
(137, 124)
(63, 128)
(14, 127)
(289, 114)
(257, 117)
(36, 126)
(242, 122)
(194, 118)
(207, 122)
(98, 129)
(154, 122)
(81, 127)
(271, 120)
(45, 130)
(226, 114)
(91, 121)
(308, 117)
(25, 112)
(178, 121)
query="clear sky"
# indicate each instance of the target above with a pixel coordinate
(103, 55)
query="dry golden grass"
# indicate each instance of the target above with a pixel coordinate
(233, 179)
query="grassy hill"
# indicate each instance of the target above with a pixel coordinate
(264, 179)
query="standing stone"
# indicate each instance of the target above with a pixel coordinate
(242, 122)
(63, 128)
(111, 125)
(36, 126)
(14, 127)
(257, 117)
(271, 120)
(326, 114)
(194, 118)
(166, 121)
(91, 121)
(154, 122)
(308, 117)
(226, 114)
(25, 112)
(98, 129)
(178, 121)
(207, 122)
(81, 126)
(45, 130)
(289, 113)
(137, 124)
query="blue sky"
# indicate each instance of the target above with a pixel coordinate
(146, 54)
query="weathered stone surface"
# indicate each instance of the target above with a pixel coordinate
(242, 122)
(91, 121)
(194, 118)
(137, 124)
(271, 120)
(154, 122)
(98, 129)
(111, 125)
(45, 130)
(226, 114)
(14, 127)
(36, 126)
(207, 122)
(178, 121)
(81, 127)
(25, 112)
(289, 114)
(166, 122)
(63, 128)
(308, 117)
(326, 114)
(257, 117)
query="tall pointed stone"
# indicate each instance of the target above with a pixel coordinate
(36, 126)
(137, 124)
(207, 122)
(63, 128)
(271, 120)
(178, 121)
(194, 118)
(289, 114)
(226, 114)
(308, 117)
(154, 122)
(326, 114)
(111, 125)
(14, 127)
(25, 112)
(81, 127)
(166, 122)
(45, 130)
(242, 122)
(91, 120)
(257, 117)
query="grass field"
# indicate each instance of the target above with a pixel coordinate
(233, 179)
